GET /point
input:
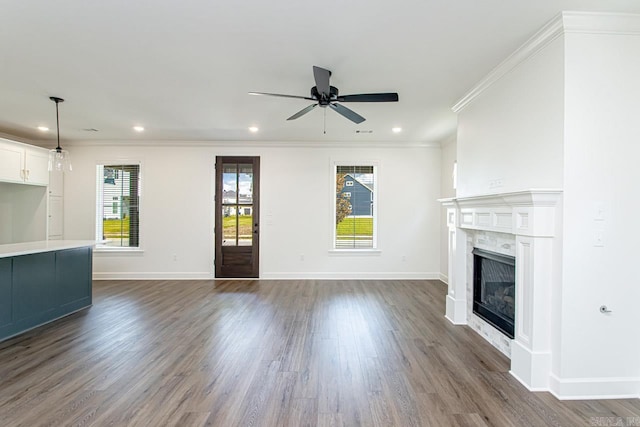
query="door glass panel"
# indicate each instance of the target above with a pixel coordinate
(229, 183)
(245, 228)
(245, 184)
(229, 226)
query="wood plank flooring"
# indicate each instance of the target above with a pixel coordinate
(271, 353)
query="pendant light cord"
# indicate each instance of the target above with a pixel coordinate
(58, 127)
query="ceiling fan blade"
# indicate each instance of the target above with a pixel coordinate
(281, 95)
(322, 80)
(370, 97)
(303, 111)
(349, 114)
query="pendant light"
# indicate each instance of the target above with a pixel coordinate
(59, 159)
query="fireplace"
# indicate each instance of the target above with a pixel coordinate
(494, 288)
(525, 225)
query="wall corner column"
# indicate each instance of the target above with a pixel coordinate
(456, 301)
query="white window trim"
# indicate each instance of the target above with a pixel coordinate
(356, 251)
(376, 175)
(100, 247)
(454, 175)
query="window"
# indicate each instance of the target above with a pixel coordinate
(118, 205)
(355, 219)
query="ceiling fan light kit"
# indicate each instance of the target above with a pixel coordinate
(325, 95)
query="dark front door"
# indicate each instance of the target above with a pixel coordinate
(237, 216)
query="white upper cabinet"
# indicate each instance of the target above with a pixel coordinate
(22, 163)
(36, 166)
(11, 162)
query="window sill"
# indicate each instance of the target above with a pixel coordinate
(116, 250)
(347, 252)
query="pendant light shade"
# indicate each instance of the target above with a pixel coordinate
(59, 159)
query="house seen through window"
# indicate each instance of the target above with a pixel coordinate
(118, 205)
(355, 208)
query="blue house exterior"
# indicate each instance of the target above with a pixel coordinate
(359, 195)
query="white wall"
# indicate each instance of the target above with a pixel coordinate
(602, 148)
(510, 137)
(23, 213)
(177, 187)
(447, 159)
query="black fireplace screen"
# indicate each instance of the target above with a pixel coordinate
(494, 290)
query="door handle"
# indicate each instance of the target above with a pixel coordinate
(255, 228)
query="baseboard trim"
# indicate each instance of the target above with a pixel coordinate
(444, 278)
(265, 276)
(521, 381)
(594, 388)
(153, 276)
(349, 276)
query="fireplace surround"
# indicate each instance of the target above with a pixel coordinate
(524, 225)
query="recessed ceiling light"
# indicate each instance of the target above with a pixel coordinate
(138, 128)
(43, 128)
(253, 129)
(396, 130)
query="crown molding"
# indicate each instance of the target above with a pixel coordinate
(14, 138)
(565, 22)
(551, 31)
(622, 24)
(254, 144)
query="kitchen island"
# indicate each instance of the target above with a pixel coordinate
(43, 281)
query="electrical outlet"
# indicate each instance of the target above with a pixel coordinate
(301, 257)
(495, 183)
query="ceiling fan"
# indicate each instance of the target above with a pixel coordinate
(326, 95)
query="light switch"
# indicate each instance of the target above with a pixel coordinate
(599, 212)
(598, 238)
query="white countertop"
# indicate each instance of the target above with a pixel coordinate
(15, 249)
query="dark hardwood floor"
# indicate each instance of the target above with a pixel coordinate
(271, 353)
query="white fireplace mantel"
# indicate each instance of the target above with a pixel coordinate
(533, 218)
(527, 213)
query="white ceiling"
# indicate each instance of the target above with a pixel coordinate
(182, 68)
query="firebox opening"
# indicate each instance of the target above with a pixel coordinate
(494, 290)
